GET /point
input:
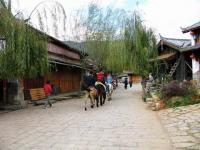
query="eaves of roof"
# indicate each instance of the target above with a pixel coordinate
(176, 44)
(191, 48)
(163, 57)
(170, 45)
(191, 28)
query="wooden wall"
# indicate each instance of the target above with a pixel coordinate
(58, 50)
(67, 79)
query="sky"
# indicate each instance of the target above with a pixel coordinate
(166, 17)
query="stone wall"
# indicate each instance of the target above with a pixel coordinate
(196, 77)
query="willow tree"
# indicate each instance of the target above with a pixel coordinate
(140, 45)
(104, 36)
(119, 40)
(25, 50)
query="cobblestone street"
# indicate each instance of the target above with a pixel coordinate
(123, 123)
(183, 125)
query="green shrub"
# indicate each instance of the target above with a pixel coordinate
(182, 94)
(167, 78)
(177, 101)
(190, 89)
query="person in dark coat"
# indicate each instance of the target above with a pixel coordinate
(130, 82)
(88, 80)
(125, 82)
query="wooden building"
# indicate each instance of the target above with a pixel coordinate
(65, 65)
(65, 73)
(170, 57)
(192, 53)
(180, 58)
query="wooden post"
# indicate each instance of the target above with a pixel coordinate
(182, 67)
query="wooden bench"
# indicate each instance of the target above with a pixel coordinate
(37, 94)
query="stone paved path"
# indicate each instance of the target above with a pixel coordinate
(183, 125)
(121, 124)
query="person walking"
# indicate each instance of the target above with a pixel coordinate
(125, 82)
(130, 82)
(47, 90)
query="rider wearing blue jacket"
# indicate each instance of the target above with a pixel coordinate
(109, 79)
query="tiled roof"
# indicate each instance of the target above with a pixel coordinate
(191, 48)
(176, 43)
(192, 27)
(179, 42)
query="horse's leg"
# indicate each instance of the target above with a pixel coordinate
(86, 97)
(109, 97)
(97, 100)
(103, 96)
(92, 101)
(110, 94)
(85, 104)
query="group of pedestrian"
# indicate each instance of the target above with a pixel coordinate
(126, 82)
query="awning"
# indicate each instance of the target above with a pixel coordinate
(65, 62)
(163, 57)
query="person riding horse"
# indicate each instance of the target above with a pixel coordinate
(108, 81)
(109, 85)
(88, 80)
(88, 84)
(100, 86)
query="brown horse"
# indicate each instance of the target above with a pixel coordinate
(101, 90)
(91, 93)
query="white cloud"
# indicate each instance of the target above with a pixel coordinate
(167, 16)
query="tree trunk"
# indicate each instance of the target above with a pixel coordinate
(19, 97)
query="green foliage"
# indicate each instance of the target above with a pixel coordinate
(167, 78)
(119, 41)
(25, 53)
(190, 88)
(180, 94)
(177, 101)
(140, 43)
